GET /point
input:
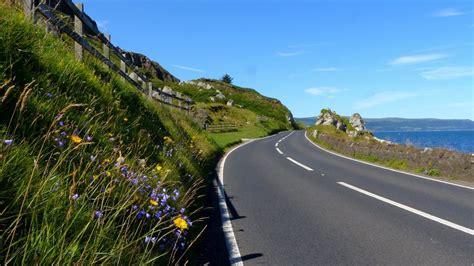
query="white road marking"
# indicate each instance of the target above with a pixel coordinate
(299, 164)
(276, 144)
(386, 168)
(412, 210)
(279, 151)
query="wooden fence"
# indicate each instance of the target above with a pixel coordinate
(82, 22)
(221, 128)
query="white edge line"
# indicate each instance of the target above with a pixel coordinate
(279, 151)
(299, 164)
(386, 168)
(234, 254)
(410, 209)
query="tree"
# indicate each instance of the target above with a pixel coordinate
(227, 79)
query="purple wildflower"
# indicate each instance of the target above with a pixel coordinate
(61, 123)
(149, 239)
(8, 142)
(49, 95)
(98, 214)
(141, 214)
(75, 196)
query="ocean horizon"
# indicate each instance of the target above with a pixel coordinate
(456, 140)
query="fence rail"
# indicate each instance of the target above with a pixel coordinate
(221, 128)
(81, 20)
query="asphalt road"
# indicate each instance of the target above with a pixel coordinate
(321, 209)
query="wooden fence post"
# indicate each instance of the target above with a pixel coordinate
(78, 28)
(123, 68)
(105, 47)
(29, 9)
(150, 89)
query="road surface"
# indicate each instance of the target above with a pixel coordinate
(292, 203)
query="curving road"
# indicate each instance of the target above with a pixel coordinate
(292, 203)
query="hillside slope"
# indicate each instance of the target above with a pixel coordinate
(91, 171)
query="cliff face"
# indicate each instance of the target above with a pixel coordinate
(148, 67)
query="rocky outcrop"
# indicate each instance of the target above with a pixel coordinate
(357, 122)
(354, 127)
(149, 68)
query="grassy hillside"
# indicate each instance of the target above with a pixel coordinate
(253, 114)
(91, 171)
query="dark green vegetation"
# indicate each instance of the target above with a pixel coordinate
(432, 162)
(227, 79)
(91, 171)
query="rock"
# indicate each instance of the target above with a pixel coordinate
(327, 119)
(357, 122)
(212, 99)
(315, 134)
(341, 126)
(230, 102)
(220, 96)
(168, 90)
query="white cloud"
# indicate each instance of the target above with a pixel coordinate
(323, 91)
(448, 12)
(287, 54)
(327, 69)
(416, 59)
(383, 98)
(448, 73)
(189, 68)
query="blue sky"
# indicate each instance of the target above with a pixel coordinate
(412, 59)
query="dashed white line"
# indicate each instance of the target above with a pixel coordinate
(279, 151)
(412, 210)
(276, 144)
(299, 164)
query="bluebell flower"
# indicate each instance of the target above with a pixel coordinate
(75, 196)
(182, 210)
(141, 214)
(8, 142)
(49, 95)
(149, 239)
(98, 214)
(61, 123)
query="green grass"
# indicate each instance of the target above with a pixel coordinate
(227, 139)
(90, 156)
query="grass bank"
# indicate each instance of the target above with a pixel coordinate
(91, 170)
(439, 163)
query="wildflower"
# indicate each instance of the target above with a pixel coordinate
(75, 196)
(93, 158)
(98, 214)
(125, 119)
(8, 142)
(134, 181)
(95, 177)
(49, 95)
(61, 123)
(168, 140)
(153, 202)
(108, 173)
(76, 139)
(158, 167)
(149, 239)
(63, 133)
(182, 210)
(140, 214)
(180, 223)
(89, 138)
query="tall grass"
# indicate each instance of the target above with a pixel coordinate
(90, 170)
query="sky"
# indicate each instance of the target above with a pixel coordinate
(411, 59)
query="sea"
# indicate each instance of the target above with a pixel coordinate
(461, 141)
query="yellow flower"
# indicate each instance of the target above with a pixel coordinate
(180, 223)
(95, 177)
(76, 139)
(108, 173)
(158, 167)
(125, 119)
(168, 140)
(153, 202)
(106, 161)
